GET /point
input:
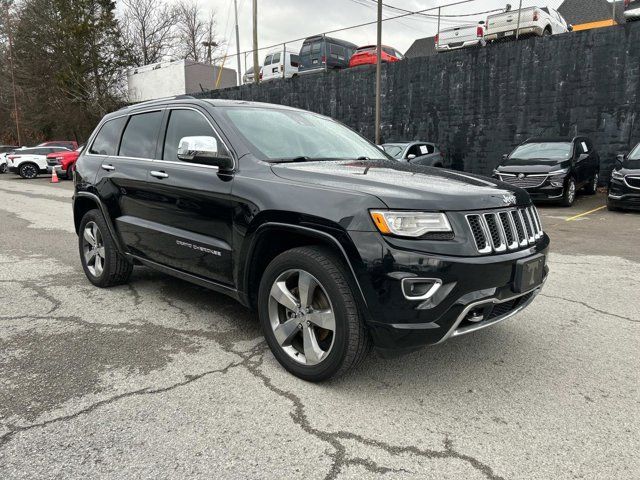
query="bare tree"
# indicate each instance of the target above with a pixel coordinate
(196, 33)
(148, 30)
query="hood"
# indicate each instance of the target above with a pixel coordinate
(405, 186)
(532, 165)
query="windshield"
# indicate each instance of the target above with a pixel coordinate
(559, 150)
(278, 134)
(394, 150)
(633, 159)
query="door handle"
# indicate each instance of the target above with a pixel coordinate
(107, 167)
(155, 173)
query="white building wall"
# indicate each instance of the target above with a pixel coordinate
(175, 78)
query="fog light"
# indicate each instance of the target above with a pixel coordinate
(420, 288)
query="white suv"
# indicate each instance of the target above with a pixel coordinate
(29, 162)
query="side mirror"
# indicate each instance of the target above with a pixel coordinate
(583, 156)
(411, 156)
(204, 150)
(381, 147)
(620, 159)
(505, 156)
(570, 27)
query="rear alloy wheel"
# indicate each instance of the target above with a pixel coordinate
(592, 186)
(28, 171)
(309, 315)
(3, 168)
(569, 195)
(103, 264)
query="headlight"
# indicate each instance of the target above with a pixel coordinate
(556, 178)
(410, 224)
(617, 175)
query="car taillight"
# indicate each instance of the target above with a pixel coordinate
(627, 2)
(323, 59)
(535, 16)
(436, 38)
(480, 32)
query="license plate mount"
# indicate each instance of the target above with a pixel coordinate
(529, 273)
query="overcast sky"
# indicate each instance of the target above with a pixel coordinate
(281, 20)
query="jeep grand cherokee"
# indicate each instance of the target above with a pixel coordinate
(336, 245)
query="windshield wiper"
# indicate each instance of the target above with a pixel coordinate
(301, 158)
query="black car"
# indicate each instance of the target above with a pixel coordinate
(552, 169)
(335, 244)
(416, 153)
(624, 186)
(325, 53)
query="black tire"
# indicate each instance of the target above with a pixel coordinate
(116, 269)
(567, 196)
(547, 33)
(3, 168)
(28, 170)
(351, 341)
(592, 187)
(69, 174)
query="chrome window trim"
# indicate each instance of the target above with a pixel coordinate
(158, 109)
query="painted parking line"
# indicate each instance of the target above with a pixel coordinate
(585, 213)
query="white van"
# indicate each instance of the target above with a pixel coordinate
(275, 63)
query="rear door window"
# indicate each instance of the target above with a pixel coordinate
(140, 136)
(267, 60)
(306, 48)
(316, 47)
(276, 58)
(108, 138)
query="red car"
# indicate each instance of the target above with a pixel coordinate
(64, 162)
(70, 144)
(368, 55)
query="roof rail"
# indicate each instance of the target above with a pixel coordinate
(157, 100)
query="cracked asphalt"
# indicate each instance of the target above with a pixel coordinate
(163, 379)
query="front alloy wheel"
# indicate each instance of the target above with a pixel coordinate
(309, 314)
(302, 317)
(569, 195)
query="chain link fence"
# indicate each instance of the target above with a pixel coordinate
(453, 26)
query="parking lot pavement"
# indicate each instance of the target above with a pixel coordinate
(163, 379)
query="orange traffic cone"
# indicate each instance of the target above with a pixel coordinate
(54, 176)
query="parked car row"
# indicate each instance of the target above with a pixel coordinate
(319, 53)
(29, 162)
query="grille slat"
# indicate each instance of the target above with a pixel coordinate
(524, 182)
(505, 230)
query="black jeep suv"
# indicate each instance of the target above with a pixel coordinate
(552, 169)
(336, 245)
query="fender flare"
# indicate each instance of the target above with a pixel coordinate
(105, 215)
(308, 230)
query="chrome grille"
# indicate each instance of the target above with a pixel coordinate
(528, 181)
(633, 182)
(504, 230)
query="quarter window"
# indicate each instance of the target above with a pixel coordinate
(106, 142)
(185, 123)
(140, 135)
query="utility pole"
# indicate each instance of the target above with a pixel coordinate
(378, 72)
(13, 78)
(256, 66)
(238, 45)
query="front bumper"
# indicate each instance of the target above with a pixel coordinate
(633, 14)
(623, 196)
(476, 292)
